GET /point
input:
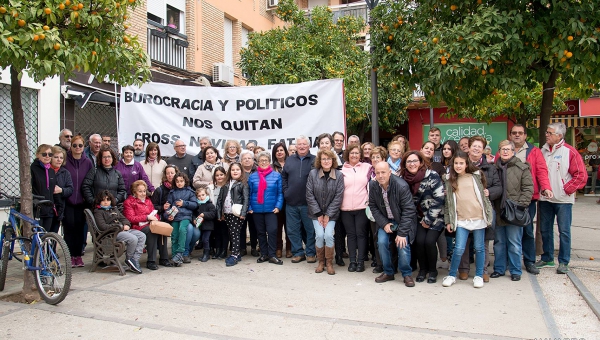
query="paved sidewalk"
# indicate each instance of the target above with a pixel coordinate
(250, 301)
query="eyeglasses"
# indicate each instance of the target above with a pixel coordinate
(413, 161)
(548, 133)
(180, 146)
(68, 136)
(517, 133)
(326, 159)
(77, 145)
(263, 161)
(47, 154)
(506, 149)
(338, 140)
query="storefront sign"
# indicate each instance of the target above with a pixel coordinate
(494, 133)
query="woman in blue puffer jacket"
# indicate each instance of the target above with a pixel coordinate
(266, 200)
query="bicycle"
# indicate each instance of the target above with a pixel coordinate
(43, 253)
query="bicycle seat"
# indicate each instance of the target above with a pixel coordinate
(43, 203)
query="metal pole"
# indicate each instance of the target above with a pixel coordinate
(374, 95)
(430, 117)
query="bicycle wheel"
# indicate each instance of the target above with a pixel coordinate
(53, 279)
(5, 253)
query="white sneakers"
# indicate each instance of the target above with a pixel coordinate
(478, 282)
(448, 281)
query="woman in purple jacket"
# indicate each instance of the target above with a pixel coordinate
(132, 170)
(73, 221)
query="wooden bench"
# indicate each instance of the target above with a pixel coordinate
(107, 249)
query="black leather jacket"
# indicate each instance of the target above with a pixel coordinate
(239, 195)
(100, 178)
(401, 203)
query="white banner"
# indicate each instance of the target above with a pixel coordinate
(266, 115)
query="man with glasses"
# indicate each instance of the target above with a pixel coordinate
(64, 138)
(566, 173)
(527, 152)
(338, 144)
(181, 159)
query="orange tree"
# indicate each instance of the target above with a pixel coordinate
(52, 37)
(318, 47)
(464, 53)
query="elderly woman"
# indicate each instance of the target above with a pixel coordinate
(153, 165)
(138, 210)
(517, 185)
(132, 170)
(74, 224)
(367, 148)
(428, 194)
(63, 188)
(405, 146)
(204, 173)
(378, 154)
(232, 151)
(266, 201)
(325, 142)
(43, 183)
(355, 200)
(324, 192)
(292, 149)
(395, 150)
(280, 154)
(104, 177)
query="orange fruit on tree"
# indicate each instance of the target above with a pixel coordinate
(117, 5)
(36, 37)
(42, 36)
(75, 14)
(15, 14)
(94, 53)
(477, 58)
(490, 62)
(131, 1)
(95, 40)
(569, 54)
(45, 28)
(80, 6)
(21, 22)
(57, 46)
(125, 17)
(10, 39)
(444, 62)
(453, 7)
(570, 38)
(2, 9)
(563, 59)
(415, 59)
(61, 6)
(47, 11)
(483, 72)
(435, 40)
(68, 2)
(492, 70)
(417, 51)
(391, 37)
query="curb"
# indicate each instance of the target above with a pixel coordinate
(585, 294)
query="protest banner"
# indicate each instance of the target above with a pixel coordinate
(266, 115)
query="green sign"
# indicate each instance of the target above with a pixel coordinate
(494, 133)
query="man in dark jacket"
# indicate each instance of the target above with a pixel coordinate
(294, 177)
(395, 214)
(181, 159)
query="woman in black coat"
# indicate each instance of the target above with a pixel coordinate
(43, 182)
(104, 177)
(64, 185)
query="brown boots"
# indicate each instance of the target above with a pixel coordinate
(329, 251)
(321, 259)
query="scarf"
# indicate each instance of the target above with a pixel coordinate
(47, 167)
(395, 166)
(262, 183)
(414, 180)
(56, 169)
(103, 207)
(210, 167)
(167, 184)
(203, 201)
(235, 159)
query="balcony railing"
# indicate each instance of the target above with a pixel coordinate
(357, 9)
(166, 45)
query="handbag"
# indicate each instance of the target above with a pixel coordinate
(161, 228)
(514, 213)
(236, 209)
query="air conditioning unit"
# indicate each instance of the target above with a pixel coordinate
(272, 3)
(222, 74)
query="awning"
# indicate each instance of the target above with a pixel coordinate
(571, 121)
(85, 96)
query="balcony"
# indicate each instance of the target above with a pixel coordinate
(357, 9)
(166, 45)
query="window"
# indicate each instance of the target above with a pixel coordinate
(228, 42)
(174, 18)
(155, 18)
(170, 13)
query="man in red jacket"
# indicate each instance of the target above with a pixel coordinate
(527, 152)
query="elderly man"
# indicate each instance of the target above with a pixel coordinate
(395, 214)
(64, 138)
(353, 140)
(181, 159)
(566, 173)
(527, 152)
(294, 177)
(338, 144)
(463, 144)
(198, 159)
(139, 154)
(91, 151)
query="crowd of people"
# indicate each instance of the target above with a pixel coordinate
(408, 211)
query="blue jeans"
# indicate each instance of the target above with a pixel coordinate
(564, 215)
(528, 240)
(323, 236)
(192, 236)
(459, 248)
(508, 244)
(297, 220)
(383, 243)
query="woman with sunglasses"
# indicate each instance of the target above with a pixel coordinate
(43, 181)
(75, 232)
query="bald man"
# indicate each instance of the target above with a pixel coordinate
(395, 214)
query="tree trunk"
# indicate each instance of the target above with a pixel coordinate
(547, 99)
(361, 131)
(29, 290)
